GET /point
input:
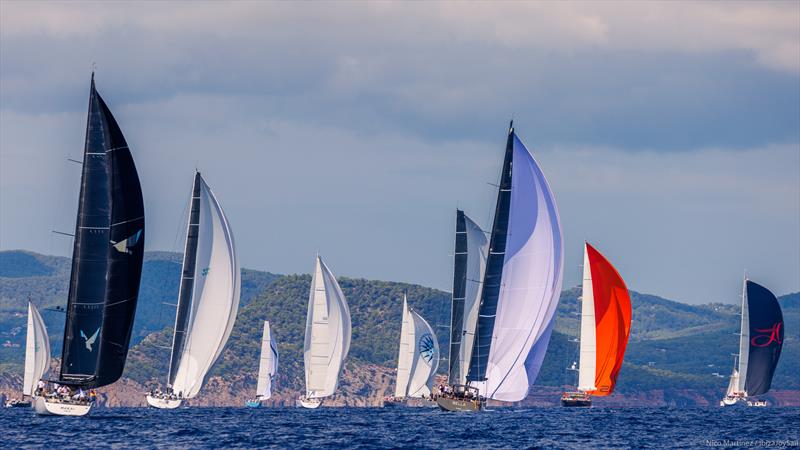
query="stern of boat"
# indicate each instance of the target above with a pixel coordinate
(54, 407)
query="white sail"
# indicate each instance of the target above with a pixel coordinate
(588, 338)
(268, 364)
(531, 282)
(425, 359)
(477, 249)
(215, 297)
(733, 385)
(406, 353)
(37, 351)
(328, 330)
(744, 341)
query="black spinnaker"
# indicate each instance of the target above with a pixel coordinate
(766, 338)
(106, 258)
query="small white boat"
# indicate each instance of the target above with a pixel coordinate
(268, 366)
(309, 403)
(417, 359)
(163, 402)
(57, 407)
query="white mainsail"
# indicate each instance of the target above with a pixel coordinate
(268, 364)
(419, 355)
(37, 351)
(215, 296)
(531, 282)
(588, 340)
(477, 249)
(405, 356)
(328, 330)
(744, 342)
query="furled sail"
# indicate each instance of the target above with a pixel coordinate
(328, 330)
(605, 324)
(37, 351)
(106, 258)
(209, 296)
(761, 339)
(268, 365)
(522, 280)
(419, 355)
(470, 263)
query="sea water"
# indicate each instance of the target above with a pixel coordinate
(404, 428)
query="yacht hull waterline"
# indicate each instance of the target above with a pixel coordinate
(43, 407)
(163, 403)
(309, 403)
(455, 404)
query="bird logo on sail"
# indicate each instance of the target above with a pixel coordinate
(125, 245)
(90, 340)
(205, 271)
(426, 347)
(772, 334)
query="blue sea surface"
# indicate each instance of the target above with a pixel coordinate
(404, 428)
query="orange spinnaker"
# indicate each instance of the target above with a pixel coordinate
(612, 308)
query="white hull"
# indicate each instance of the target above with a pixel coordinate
(310, 403)
(743, 401)
(48, 408)
(163, 403)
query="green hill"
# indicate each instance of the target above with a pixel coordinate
(673, 345)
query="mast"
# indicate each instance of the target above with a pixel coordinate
(186, 289)
(494, 269)
(107, 256)
(456, 370)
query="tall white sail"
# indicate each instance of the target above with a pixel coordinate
(588, 342)
(268, 364)
(328, 330)
(215, 296)
(405, 356)
(518, 307)
(37, 351)
(425, 359)
(744, 341)
(477, 249)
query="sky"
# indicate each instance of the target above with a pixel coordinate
(669, 132)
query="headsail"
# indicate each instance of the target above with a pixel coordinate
(37, 351)
(762, 325)
(522, 280)
(328, 330)
(268, 364)
(107, 255)
(470, 263)
(425, 358)
(215, 291)
(605, 324)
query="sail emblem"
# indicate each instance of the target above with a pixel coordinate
(124, 245)
(426, 347)
(90, 340)
(205, 271)
(772, 334)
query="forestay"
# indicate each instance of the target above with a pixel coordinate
(215, 295)
(328, 331)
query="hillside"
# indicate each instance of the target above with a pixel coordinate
(680, 349)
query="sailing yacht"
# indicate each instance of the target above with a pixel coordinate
(505, 293)
(106, 267)
(327, 339)
(417, 360)
(760, 344)
(208, 299)
(267, 367)
(37, 356)
(605, 328)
